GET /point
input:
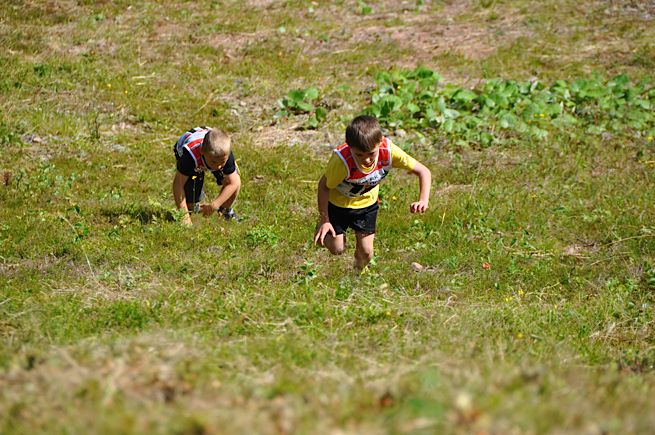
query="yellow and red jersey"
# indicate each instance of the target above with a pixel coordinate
(353, 186)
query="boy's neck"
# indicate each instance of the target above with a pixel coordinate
(366, 169)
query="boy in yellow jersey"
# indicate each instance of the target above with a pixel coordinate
(348, 192)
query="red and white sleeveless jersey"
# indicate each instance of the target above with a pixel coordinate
(192, 141)
(358, 182)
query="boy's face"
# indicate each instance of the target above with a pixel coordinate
(366, 158)
(214, 162)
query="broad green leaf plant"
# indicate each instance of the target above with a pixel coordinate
(499, 110)
(299, 102)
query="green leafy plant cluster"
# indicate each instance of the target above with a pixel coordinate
(8, 135)
(364, 9)
(262, 235)
(302, 101)
(499, 109)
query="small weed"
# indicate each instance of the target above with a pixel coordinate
(649, 277)
(262, 236)
(42, 70)
(301, 101)
(364, 8)
(8, 136)
(308, 272)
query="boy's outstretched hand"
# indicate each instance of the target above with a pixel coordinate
(322, 231)
(424, 181)
(418, 206)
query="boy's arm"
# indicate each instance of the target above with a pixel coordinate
(324, 226)
(231, 184)
(180, 198)
(323, 195)
(424, 182)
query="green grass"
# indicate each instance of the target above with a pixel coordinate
(533, 312)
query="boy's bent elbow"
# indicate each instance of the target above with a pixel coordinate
(421, 170)
(237, 181)
(233, 180)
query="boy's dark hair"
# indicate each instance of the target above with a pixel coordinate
(364, 133)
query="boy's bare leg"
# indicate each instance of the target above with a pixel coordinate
(228, 204)
(336, 245)
(363, 250)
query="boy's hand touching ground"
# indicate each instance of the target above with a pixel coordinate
(186, 220)
(323, 230)
(207, 209)
(418, 207)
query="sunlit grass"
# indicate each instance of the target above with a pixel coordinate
(521, 302)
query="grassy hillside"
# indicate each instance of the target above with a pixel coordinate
(522, 302)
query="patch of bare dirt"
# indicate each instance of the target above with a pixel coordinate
(643, 9)
(58, 39)
(428, 34)
(581, 250)
(260, 4)
(253, 115)
(10, 269)
(271, 136)
(53, 8)
(234, 44)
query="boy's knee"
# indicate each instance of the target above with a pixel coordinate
(337, 250)
(365, 252)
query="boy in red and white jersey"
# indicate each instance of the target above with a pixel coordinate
(199, 150)
(348, 192)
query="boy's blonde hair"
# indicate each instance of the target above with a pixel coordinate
(216, 143)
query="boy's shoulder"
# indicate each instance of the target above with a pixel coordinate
(342, 147)
(194, 133)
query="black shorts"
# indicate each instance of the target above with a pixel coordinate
(193, 187)
(362, 220)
